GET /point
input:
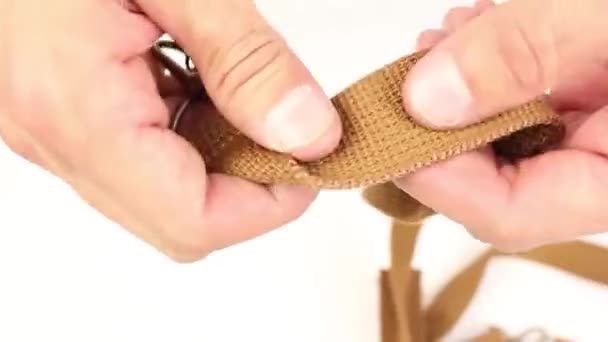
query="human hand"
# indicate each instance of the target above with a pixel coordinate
(487, 58)
(81, 97)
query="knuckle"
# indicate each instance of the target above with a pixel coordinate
(27, 127)
(31, 107)
(504, 235)
(188, 244)
(182, 230)
(184, 256)
(186, 248)
(428, 38)
(455, 12)
(245, 62)
(22, 147)
(455, 16)
(529, 53)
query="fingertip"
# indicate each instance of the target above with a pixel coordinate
(483, 5)
(304, 123)
(435, 93)
(324, 145)
(441, 91)
(458, 16)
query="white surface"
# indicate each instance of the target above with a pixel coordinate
(67, 274)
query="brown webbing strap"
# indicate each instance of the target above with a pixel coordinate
(403, 319)
(380, 140)
(578, 258)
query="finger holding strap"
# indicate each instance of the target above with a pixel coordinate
(251, 74)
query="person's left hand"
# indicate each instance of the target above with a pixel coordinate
(490, 57)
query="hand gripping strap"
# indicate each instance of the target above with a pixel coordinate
(380, 140)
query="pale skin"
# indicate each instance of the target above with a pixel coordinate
(80, 98)
(510, 53)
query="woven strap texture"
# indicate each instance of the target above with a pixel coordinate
(380, 140)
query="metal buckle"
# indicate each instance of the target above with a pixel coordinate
(187, 76)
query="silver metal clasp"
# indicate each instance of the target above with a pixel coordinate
(186, 75)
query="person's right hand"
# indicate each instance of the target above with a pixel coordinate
(80, 97)
(488, 58)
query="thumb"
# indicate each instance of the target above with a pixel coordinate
(507, 56)
(253, 77)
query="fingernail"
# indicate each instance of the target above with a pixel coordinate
(436, 92)
(303, 116)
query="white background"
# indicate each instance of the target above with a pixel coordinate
(67, 274)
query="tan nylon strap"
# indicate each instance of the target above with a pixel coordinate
(403, 319)
(578, 258)
(380, 140)
(402, 316)
(402, 282)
